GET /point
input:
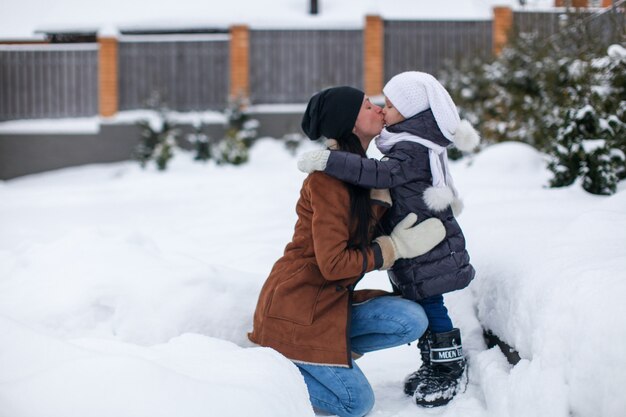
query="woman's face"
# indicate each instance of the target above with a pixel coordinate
(392, 115)
(369, 122)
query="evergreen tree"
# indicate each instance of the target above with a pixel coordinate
(590, 147)
(201, 143)
(565, 95)
(240, 135)
(156, 144)
(164, 150)
(148, 141)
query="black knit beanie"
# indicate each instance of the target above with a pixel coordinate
(332, 112)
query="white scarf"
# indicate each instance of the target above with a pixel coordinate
(443, 192)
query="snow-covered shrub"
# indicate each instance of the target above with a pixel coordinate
(201, 143)
(587, 147)
(591, 141)
(240, 135)
(157, 142)
(293, 141)
(559, 95)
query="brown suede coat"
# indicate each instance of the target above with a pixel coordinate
(304, 307)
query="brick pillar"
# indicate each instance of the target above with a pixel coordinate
(574, 3)
(607, 3)
(239, 62)
(107, 76)
(373, 55)
(502, 25)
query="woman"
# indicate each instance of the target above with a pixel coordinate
(308, 309)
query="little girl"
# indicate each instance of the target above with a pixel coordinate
(422, 121)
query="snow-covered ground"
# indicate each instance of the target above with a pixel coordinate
(129, 293)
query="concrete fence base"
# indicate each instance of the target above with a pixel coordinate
(30, 153)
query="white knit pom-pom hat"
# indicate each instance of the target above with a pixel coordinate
(412, 92)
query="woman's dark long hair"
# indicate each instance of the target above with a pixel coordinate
(360, 203)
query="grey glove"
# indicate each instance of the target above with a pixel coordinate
(408, 241)
(313, 161)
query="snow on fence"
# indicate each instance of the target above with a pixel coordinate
(48, 81)
(186, 72)
(287, 66)
(427, 45)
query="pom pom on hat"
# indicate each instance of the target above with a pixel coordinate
(466, 138)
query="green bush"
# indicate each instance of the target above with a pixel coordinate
(565, 95)
(240, 135)
(156, 143)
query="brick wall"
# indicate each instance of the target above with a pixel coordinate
(502, 24)
(239, 61)
(107, 76)
(373, 55)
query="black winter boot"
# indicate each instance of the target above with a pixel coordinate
(411, 381)
(446, 367)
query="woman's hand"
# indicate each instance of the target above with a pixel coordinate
(408, 241)
(313, 161)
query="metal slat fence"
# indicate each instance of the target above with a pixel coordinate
(191, 72)
(48, 81)
(427, 45)
(184, 73)
(287, 66)
(607, 27)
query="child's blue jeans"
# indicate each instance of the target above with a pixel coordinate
(437, 313)
(380, 323)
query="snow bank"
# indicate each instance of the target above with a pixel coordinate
(191, 375)
(144, 296)
(550, 283)
(122, 291)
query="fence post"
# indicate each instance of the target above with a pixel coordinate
(107, 76)
(373, 55)
(502, 25)
(239, 62)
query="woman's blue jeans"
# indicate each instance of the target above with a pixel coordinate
(380, 323)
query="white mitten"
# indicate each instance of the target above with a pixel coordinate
(409, 241)
(313, 161)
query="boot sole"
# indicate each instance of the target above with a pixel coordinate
(432, 404)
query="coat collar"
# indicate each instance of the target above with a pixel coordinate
(422, 125)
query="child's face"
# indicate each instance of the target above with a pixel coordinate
(392, 115)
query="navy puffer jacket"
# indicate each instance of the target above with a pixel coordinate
(406, 172)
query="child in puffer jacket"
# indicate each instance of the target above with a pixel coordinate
(421, 122)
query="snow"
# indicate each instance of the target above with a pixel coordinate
(17, 19)
(188, 375)
(278, 108)
(617, 52)
(129, 292)
(584, 111)
(51, 47)
(91, 125)
(175, 38)
(592, 145)
(78, 125)
(552, 287)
